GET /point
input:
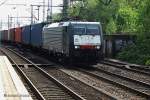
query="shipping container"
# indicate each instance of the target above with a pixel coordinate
(12, 34)
(0, 35)
(18, 34)
(36, 34)
(26, 31)
(5, 35)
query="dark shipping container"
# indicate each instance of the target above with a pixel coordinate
(5, 35)
(26, 31)
(1, 35)
(36, 34)
(12, 34)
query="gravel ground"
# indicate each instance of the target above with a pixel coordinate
(122, 81)
(126, 73)
(82, 89)
(114, 90)
(47, 88)
(14, 57)
(30, 56)
(1, 54)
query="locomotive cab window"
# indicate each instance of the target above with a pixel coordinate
(86, 29)
(79, 29)
(92, 29)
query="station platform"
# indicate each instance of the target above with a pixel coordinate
(11, 86)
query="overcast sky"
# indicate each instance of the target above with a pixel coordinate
(23, 10)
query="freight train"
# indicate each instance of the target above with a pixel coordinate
(69, 40)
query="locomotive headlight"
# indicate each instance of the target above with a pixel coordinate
(76, 47)
(98, 47)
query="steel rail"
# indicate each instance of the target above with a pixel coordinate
(65, 88)
(123, 66)
(31, 85)
(116, 83)
(124, 77)
(97, 89)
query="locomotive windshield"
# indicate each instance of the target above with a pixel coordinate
(86, 29)
(92, 29)
(79, 29)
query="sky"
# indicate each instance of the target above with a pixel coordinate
(23, 11)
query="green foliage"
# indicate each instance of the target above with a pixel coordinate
(145, 17)
(111, 27)
(147, 62)
(119, 16)
(139, 53)
(57, 16)
(127, 19)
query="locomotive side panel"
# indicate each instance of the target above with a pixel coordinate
(53, 39)
(66, 40)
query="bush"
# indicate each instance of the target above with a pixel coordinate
(147, 62)
(138, 53)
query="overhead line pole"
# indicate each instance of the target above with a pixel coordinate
(51, 9)
(8, 26)
(31, 14)
(65, 8)
(43, 10)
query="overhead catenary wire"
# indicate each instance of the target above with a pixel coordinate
(3, 2)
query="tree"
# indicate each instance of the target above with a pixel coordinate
(140, 52)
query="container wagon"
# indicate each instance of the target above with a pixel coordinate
(18, 32)
(26, 34)
(12, 34)
(36, 34)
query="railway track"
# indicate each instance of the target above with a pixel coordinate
(87, 92)
(127, 66)
(124, 89)
(35, 94)
(110, 81)
(126, 72)
(45, 86)
(132, 80)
